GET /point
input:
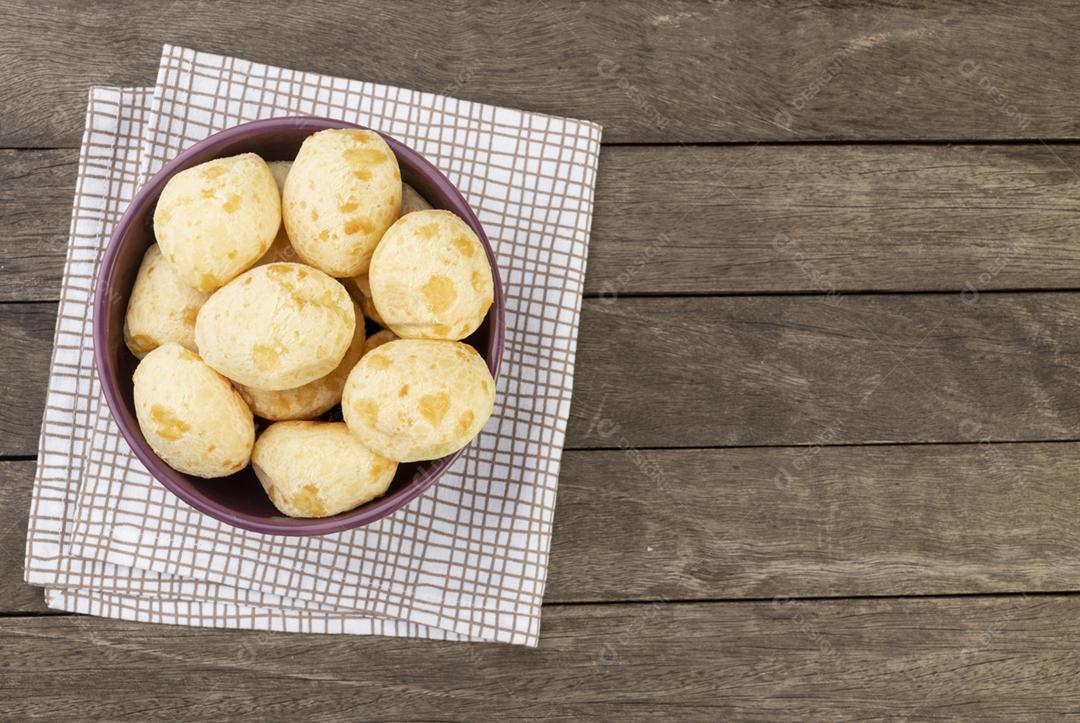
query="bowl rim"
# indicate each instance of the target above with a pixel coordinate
(427, 473)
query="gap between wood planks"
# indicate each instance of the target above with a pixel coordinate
(705, 448)
(639, 602)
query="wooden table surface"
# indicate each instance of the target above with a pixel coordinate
(824, 450)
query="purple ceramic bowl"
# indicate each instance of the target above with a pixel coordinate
(239, 500)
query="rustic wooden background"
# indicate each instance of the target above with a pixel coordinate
(825, 446)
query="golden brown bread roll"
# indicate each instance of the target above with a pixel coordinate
(342, 193)
(412, 399)
(430, 277)
(277, 326)
(313, 398)
(190, 415)
(318, 469)
(161, 308)
(216, 219)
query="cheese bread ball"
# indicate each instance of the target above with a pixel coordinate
(216, 219)
(411, 200)
(279, 170)
(342, 193)
(416, 399)
(430, 277)
(313, 398)
(190, 415)
(360, 290)
(277, 326)
(378, 339)
(318, 469)
(161, 307)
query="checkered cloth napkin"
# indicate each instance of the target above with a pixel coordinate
(465, 561)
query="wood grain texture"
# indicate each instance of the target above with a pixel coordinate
(786, 370)
(1007, 659)
(36, 194)
(775, 370)
(16, 482)
(834, 218)
(27, 331)
(759, 522)
(647, 541)
(648, 71)
(735, 219)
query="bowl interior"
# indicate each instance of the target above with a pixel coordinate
(239, 500)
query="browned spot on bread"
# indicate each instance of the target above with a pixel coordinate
(232, 254)
(232, 203)
(191, 313)
(428, 230)
(362, 174)
(212, 172)
(403, 391)
(433, 407)
(207, 283)
(367, 411)
(247, 281)
(439, 293)
(477, 281)
(364, 156)
(442, 330)
(307, 503)
(348, 207)
(464, 246)
(208, 192)
(163, 217)
(358, 223)
(359, 135)
(465, 421)
(166, 424)
(324, 234)
(378, 361)
(314, 215)
(280, 270)
(265, 356)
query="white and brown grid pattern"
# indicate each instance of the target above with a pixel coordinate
(466, 560)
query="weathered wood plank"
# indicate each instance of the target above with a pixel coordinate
(27, 334)
(16, 481)
(783, 370)
(776, 370)
(1009, 658)
(828, 219)
(36, 189)
(759, 522)
(731, 71)
(735, 219)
